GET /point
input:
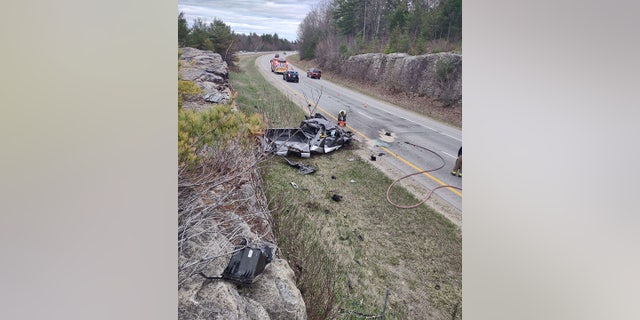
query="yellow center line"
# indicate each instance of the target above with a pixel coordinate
(436, 180)
(424, 173)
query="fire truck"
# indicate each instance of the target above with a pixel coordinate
(279, 65)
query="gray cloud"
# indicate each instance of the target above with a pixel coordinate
(245, 16)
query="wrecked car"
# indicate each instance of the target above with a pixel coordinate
(315, 135)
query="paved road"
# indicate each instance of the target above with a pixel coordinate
(373, 120)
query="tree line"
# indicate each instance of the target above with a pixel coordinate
(336, 29)
(218, 37)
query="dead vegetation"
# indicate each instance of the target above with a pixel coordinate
(220, 204)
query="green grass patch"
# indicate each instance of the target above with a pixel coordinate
(257, 95)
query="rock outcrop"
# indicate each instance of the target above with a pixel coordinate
(221, 206)
(438, 75)
(210, 72)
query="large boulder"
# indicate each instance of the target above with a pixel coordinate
(210, 72)
(279, 296)
(437, 76)
(273, 295)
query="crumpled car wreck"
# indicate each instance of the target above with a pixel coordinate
(316, 134)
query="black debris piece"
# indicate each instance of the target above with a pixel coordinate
(247, 263)
(373, 158)
(336, 197)
(302, 168)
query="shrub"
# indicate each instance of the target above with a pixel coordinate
(200, 133)
(444, 67)
(187, 90)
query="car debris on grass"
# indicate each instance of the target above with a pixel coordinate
(314, 135)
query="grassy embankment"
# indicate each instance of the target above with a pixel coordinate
(346, 254)
(256, 95)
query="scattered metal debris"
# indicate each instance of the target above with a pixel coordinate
(294, 185)
(302, 168)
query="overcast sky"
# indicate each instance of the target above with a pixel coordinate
(246, 16)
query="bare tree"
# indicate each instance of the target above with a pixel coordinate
(316, 94)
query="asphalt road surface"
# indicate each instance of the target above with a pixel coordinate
(401, 135)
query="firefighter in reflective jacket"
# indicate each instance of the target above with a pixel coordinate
(342, 118)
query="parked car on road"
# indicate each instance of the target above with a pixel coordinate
(291, 76)
(314, 73)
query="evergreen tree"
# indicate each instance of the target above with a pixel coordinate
(199, 36)
(222, 38)
(183, 30)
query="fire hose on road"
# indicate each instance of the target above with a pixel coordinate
(416, 173)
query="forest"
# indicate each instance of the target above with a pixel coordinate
(337, 29)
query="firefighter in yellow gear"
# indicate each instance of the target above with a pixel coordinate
(342, 118)
(457, 168)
